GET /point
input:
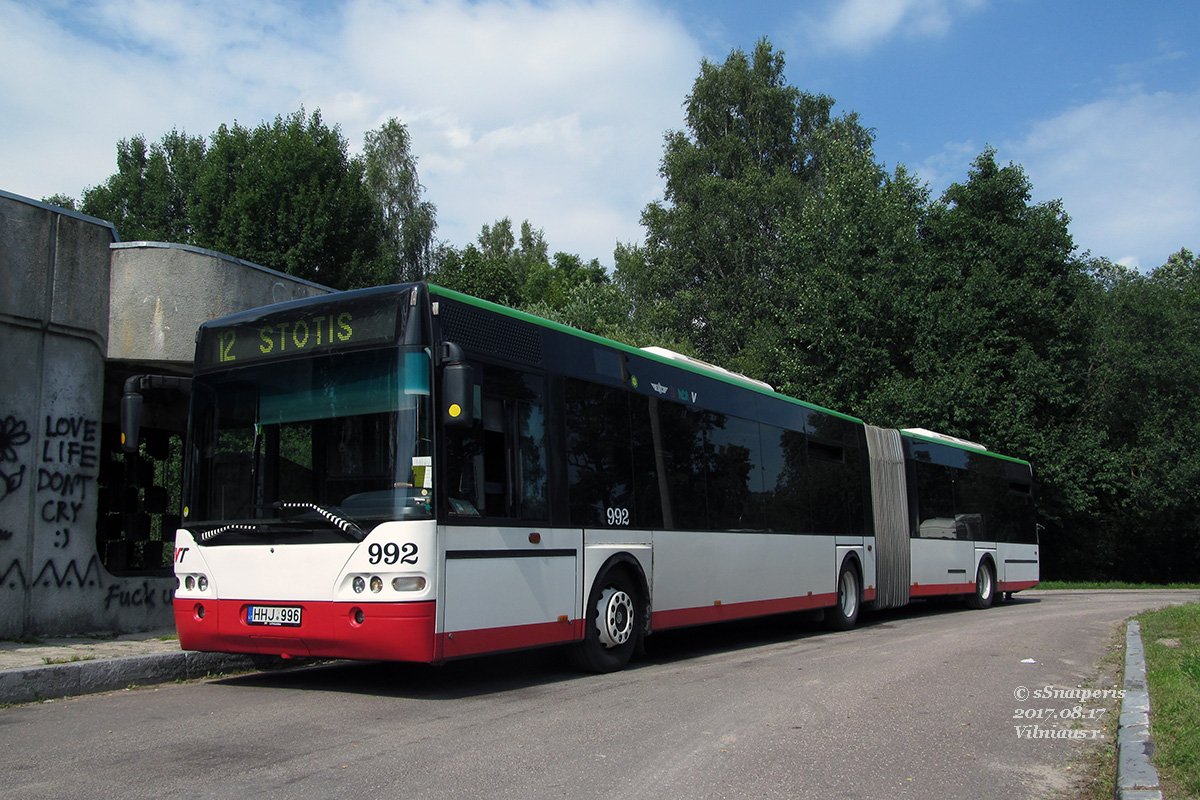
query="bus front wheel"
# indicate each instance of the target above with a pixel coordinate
(611, 623)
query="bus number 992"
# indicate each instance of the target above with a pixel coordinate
(617, 516)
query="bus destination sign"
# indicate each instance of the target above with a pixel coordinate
(306, 331)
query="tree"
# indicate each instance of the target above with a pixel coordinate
(516, 271)
(152, 194)
(62, 201)
(844, 299)
(1143, 378)
(408, 222)
(288, 196)
(285, 195)
(713, 257)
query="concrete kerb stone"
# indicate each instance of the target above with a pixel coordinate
(112, 674)
(1137, 779)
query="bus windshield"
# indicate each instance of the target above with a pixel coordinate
(282, 448)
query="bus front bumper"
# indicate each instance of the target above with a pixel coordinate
(373, 631)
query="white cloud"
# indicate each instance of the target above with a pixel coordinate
(551, 112)
(1124, 167)
(1126, 170)
(548, 111)
(859, 25)
(948, 165)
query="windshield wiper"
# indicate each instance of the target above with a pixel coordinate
(343, 524)
(237, 526)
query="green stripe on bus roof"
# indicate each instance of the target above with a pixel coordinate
(980, 450)
(450, 294)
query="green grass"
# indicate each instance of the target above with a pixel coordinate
(1113, 585)
(67, 659)
(1172, 641)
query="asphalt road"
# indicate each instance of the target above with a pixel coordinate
(921, 703)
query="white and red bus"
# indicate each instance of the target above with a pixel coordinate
(408, 473)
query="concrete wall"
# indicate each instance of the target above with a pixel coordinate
(53, 339)
(77, 314)
(162, 292)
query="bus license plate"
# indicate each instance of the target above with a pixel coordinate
(273, 615)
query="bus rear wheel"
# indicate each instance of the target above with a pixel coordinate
(985, 587)
(611, 623)
(844, 615)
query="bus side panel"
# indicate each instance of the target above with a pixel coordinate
(1018, 566)
(942, 566)
(704, 577)
(504, 591)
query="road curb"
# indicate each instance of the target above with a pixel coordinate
(110, 674)
(1137, 779)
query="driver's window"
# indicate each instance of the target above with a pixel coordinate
(497, 467)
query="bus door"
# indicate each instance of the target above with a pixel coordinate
(509, 579)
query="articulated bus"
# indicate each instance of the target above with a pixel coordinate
(407, 473)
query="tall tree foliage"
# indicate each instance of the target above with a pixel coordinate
(783, 249)
(288, 196)
(285, 194)
(408, 221)
(753, 152)
(152, 194)
(851, 257)
(1143, 378)
(516, 270)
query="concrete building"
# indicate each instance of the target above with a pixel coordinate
(86, 533)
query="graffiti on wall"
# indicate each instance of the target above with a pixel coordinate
(68, 462)
(62, 477)
(13, 433)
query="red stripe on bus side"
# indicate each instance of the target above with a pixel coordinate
(928, 589)
(683, 617)
(1016, 586)
(512, 637)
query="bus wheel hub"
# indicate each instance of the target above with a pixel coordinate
(616, 617)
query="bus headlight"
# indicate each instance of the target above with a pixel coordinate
(409, 583)
(376, 584)
(202, 583)
(359, 584)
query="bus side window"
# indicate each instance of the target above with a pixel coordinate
(497, 466)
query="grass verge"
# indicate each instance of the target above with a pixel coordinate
(1113, 585)
(1171, 637)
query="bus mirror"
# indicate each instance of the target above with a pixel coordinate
(131, 421)
(131, 403)
(458, 395)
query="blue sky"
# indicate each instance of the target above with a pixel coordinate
(555, 111)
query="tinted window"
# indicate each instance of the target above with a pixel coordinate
(599, 462)
(735, 483)
(677, 449)
(787, 500)
(935, 502)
